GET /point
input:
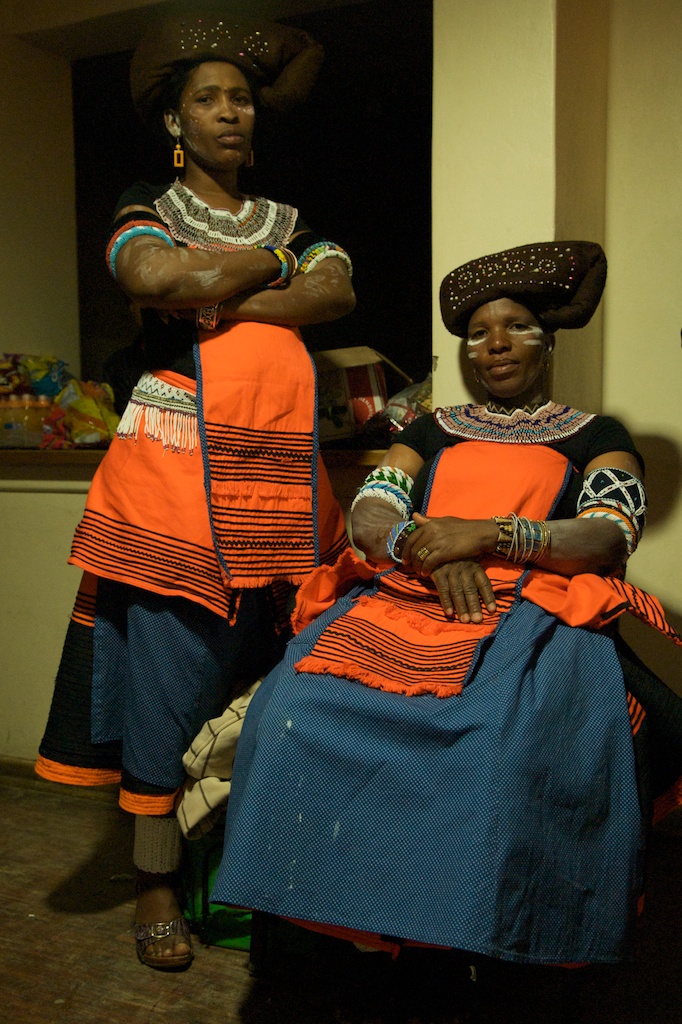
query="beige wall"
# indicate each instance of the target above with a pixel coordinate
(563, 119)
(38, 591)
(551, 119)
(643, 317)
(580, 118)
(493, 143)
(39, 294)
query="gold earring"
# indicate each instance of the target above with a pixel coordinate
(178, 154)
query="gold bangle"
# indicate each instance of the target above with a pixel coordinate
(521, 539)
(505, 535)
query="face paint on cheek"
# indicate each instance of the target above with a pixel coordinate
(473, 345)
(534, 338)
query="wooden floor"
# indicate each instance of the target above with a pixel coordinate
(67, 954)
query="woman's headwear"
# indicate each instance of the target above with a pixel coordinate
(561, 283)
(279, 61)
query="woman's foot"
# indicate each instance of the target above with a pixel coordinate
(162, 934)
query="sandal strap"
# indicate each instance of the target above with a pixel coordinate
(146, 934)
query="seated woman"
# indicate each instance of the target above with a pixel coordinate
(445, 755)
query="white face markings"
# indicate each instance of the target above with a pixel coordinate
(473, 344)
(528, 334)
(533, 336)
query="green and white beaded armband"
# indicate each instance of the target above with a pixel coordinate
(390, 484)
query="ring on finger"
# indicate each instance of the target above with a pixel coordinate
(423, 553)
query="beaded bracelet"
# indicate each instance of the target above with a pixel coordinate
(521, 539)
(319, 251)
(288, 264)
(621, 519)
(395, 542)
(391, 475)
(387, 492)
(208, 316)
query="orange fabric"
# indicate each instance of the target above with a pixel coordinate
(137, 803)
(327, 583)
(667, 802)
(594, 601)
(258, 387)
(481, 479)
(637, 714)
(379, 942)
(370, 939)
(86, 598)
(399, 638)
(147, 522)
(56, 772)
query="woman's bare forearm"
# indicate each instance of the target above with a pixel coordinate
(321, 295)
(575, 546)
(158, 276)
(585, 545)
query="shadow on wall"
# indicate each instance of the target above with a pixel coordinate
(663, 462)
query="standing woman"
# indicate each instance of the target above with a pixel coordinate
(212, 500)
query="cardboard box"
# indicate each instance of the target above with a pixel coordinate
(351, 389)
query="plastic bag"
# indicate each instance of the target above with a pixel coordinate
(89, 415)
(45, 375)
(408, 404)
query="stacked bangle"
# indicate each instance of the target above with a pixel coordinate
(394, 496)
(288, 264)
(395, 542)
(520, 539)
(390, 484)
(391, 475)
(319, 251)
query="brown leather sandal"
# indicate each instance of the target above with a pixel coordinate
(146, 934)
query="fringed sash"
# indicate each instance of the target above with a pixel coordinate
(147, 522)
(256, 391)
(397, 637)
(169, 414)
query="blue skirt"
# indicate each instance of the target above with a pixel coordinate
(503, 821)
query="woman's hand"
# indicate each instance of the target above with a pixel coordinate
(463, 587)
(371, 522)
(447, 539)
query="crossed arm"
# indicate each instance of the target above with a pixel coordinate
(154, 274)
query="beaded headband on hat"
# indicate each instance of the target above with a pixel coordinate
(561, 283)
(280, 62)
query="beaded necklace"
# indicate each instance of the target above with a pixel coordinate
(260, 221)
(549, 422)
(500, 410)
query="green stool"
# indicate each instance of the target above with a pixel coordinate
(215, 925)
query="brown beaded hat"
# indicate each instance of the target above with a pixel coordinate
(281, 63)
(561, 283)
